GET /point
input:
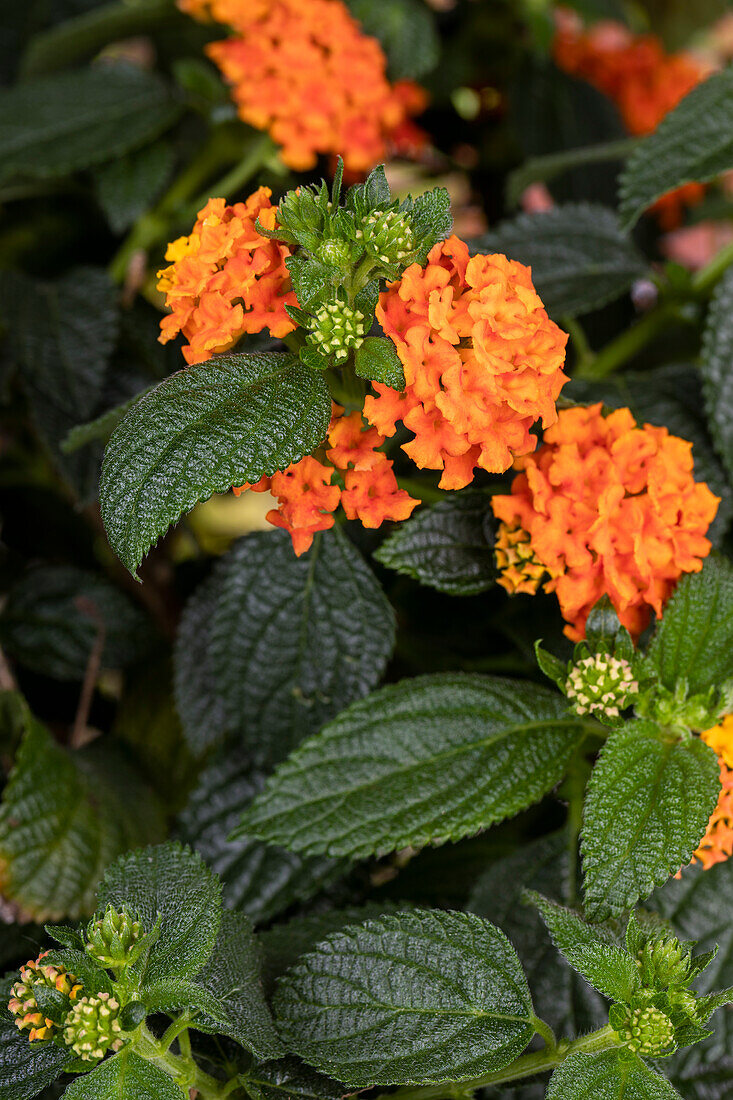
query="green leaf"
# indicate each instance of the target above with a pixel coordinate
(258, 878)
(607, 1076)
(406, 30)
(717, 378)
(294, 640)
(431, 219)
(64, 817)
(97, 430)
(591, 950)
(290, 1079)
(447, 546)
(694, 639)
(230, 420)
(127, 1076)
(174, 883)
(312, 280)
(693, 143)
(56, 125)
(423, 761)
(82, 966)
(377, 360)
(421, 996)
(53, 618)
(233, 975)
(553, 668)
(127, 186)
(199, 703)
(26, 1068)
(648, 804)
(580, 257)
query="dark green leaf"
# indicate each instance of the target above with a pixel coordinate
(406, 29)
(694, 639)
(377, 359)
(127, 186)
(579, 256)
(66, 936)
(648, 804)
(97, 430)
(416, 997)
(717, 377)
(290, 1079)
(257, 878)
(426, 760)
(447, 546)
(175, 883)
(553, 668)
(431, 219)
(26, 1068)
(56, 125)
(606, 1076)
(127, 1076)
(200, 705)
(220, 423)
(294, 640)
(692, 143)
(312, 280)
(63, 818)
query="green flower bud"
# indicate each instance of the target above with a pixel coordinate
(35, 979)
(112, 936)
(601, 685)
(647, 1031)
(92, 1027)
(336, 253)
(388, 236)
(338, 327)
(664, 963)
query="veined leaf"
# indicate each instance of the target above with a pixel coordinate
(56, 125)
(717, 377)
(648, 804)
(26, 1068)
(406, 29)
(127, 186)
(126, 1076)
(579, 255)
(430, 759)
(290, 1079)
(417, 997)
(447, 546)
(692, 143)
(174, 883)
(230, 420)
(606, 1076)
(377, 359)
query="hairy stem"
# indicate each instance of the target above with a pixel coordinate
(618, 352)
(181, 1068)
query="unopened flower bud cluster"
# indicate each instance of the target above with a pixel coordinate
(338, 327)
(601, 685)
(389, 235)
(647, 1031)
(92, 1027)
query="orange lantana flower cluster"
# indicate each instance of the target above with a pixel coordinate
(305, 71)
(717, 844)
(611, 509)
(482, 362)
(225, 279)
(368, 489)
(643, 80)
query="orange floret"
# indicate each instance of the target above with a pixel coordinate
(717, 844)
(482, 362)
(225, 279)
(610, 508)
(644, 81)
(720, 739)
(306, 499)
(305, 71)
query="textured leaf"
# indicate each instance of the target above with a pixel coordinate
(416, 997)
(175, 883)
(377, 359)
(697, 1080)
(694, 639)
(294, 640)
(606, 1076)
(692, 143)
(97, 430)
(564, 999)
(125, 1077)
(230, 420)
(717, 376)
(26, 1068)
(53, 617)
(447, 546)
(648, 804)
(429, 759)
(199, 703)
(579, 256)
(406, 29)
(257, 878)
(57, 125)
(127, 186)
(290, 1079)
(63, 818)
(591, 950)
(233, 975)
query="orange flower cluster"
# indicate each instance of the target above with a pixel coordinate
(225, 279)
(610, 508)
(644, 81)
(307, 498)
(482, 362)
(717, 844)
(306, 72)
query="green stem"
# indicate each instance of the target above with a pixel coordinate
(583, 349)
(546, 1032)
(527, 1066)
(574, 791)
(183, 1070)
(706, 278)
(175, 1029)
(428, 494)
(257, 154)
(629, 343)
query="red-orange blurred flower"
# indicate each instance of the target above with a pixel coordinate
(610, 508)
(482, 362)
(305, 71)
(225, 279)
(717, 844)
